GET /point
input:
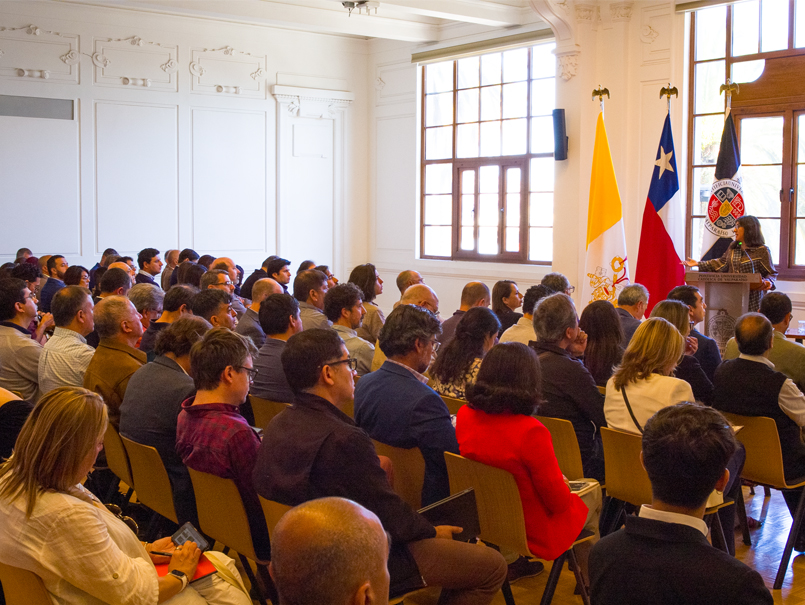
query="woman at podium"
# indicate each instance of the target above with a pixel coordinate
(747, 254)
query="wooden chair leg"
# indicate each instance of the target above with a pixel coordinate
(268, 583)
(580, 580)
(553, 579)
(789, 543)
(766, 491)
(741, 510)
(507, 593)
(258, 588)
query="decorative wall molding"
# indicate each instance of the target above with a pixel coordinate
(395, 83)
(562, 19)
(311, 102)
(568, 64)
(145, 82)
(621, 11)
(33, 73)
(648, 34)
(656, 23)
(29, 51)
(587, 13)
(379, 83)
(228, 71)
(134, 61)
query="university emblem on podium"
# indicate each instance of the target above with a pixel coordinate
(721, 328)
(726, 206)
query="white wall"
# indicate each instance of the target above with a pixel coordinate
(186, 161)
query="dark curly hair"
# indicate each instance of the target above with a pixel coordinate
(509, 381)
(456, 358)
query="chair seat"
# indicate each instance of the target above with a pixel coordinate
(585, 536)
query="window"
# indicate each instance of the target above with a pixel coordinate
(487, 168)
(756, 44)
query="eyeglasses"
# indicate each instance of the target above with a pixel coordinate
(570, 290)
(252, 372)
(31, 296)
(352, 361)
(436, 344)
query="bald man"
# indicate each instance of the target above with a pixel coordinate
(249, 322)
(474, 294)
(330, 551)
(128, 268)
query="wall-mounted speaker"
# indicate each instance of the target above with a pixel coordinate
(559, 135)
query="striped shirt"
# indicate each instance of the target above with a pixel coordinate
(64, 360)
(745, 260)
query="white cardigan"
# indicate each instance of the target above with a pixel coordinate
(646, 397)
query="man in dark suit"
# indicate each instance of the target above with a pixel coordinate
(632, 305)
(150, 266)
(707, 353)
(663, 556)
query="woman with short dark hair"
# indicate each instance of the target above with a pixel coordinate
(506, 299)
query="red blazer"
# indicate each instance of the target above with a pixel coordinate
(522, 445)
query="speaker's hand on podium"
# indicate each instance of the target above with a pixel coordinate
(690, 262)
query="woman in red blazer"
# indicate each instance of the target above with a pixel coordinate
(497, 429)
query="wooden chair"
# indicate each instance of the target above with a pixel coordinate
(118, 460)
(409, 472)
(273, 512)
(153, 484)
(222, 516)
(23, 587)
(453, 404)
(602, 390)
(764, 466)
(565, 446)
(500, 512)
(265, 409)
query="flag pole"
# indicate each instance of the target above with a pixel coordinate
(667, 92)
(729, 89)
(600, 92)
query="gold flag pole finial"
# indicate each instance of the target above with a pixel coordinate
(729, 89)
(667, 92)
(600, 92)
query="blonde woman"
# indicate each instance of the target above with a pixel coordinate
(642, 384)
(52, 526)
(688, 369)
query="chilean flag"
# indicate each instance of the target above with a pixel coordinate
(659, 259)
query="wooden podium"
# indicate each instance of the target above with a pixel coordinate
(727, 298)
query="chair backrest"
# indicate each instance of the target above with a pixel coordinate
(500, 510)
(453, 404)
(565, 446)
(602, 390)
(764, 456)
(116, 456)
(221, 513)
(273, 512)
(153, 484)
(409, 472)
(23, 587)
(349, 408)
(627, 480)
(264, 410)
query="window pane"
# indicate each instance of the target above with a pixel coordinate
(468, 211)
(771, 233)
(513, 178)
(696, 238)
(799, 27)
(439, 77)
(488, 240)
(543, 97)
(439, 178)
(702, 184)
(513, 210)
(512, 239)
(801, 192)
(745, 28)
(515, 100)
(439, 143)
(707, 138)
(468, 181)
(540, 212)
(490, 139)
(542, 135)
(490, 179)
(748, 71)
(762, 140)
(774, 23)
(515, 65)
(438, 241)
(801, 137)
(468, 105)
(711, 33)
(709, 77)
(515, 134)
(438, 210)
(469, 72)
(761, 186)
(541, 174)
(439, 109)
(467, 141)
(799, 253)
(488, 210)
(540, 244)
(543, 61)
(490, 103)
(490, 69)
(468, 238)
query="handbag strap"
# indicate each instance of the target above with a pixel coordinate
(629, 407)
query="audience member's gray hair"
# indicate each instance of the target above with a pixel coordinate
(146, 296)
(556, 282)
(553, 315)
(109, 313)
(631, 295)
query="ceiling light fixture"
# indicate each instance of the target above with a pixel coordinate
(361, 5)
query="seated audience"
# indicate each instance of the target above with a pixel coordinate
(332, 280)
(506, 299)
(306, 265)
(227, 264)
(279, 318)
(310, 288)
(330, 551)
(153, 400)
(405, 280)
(396, 406)
(688, 368)
(343, 306)
(56, 268)
(313, 450)
(19, 352)
(43, 271)
(558, 283)
(28, 273)
(600, 322)
(370, 284)
(497, 428)
(457, 364)
(632, 305)
(707, 352)
(115, 360)
(24, 253)
(187, 257)
(76, 275)
(212, 436)
(249, 322)
(474, 294)
(148, 299)
(171, 261)
(568, 387)
(787, 356)
(191, 274)
(523, 330)
(113, 282)
(106, 259)
(217, 279)
(150, 266)
(14, 411)
(278, 270)
(261, 273)
(663, 555)
(215, 306)
(42, 502)
(127, 264)
(66, 356)
(175, 305)
(206, 261)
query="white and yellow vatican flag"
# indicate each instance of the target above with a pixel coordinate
(606, 270)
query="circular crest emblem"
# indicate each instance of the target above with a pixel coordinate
(726, 205)
(722, 328)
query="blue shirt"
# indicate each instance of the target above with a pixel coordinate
(52, 285)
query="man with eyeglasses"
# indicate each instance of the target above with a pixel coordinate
(314, 450)
(211, 434)
(227, 264)
(215, 306)
(395, 405)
